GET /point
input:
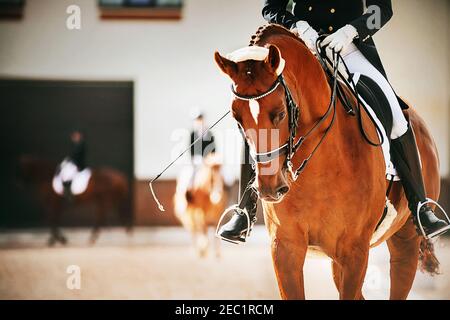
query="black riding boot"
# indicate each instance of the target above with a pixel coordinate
(236, 229)
(67, 191)
(406, 159)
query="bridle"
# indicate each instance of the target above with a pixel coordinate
(291, 146)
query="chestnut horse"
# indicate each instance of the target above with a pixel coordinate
(107, 190)
(338, 200)
(200, 206)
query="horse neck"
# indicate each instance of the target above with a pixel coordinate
(304, 76)
(310, 88)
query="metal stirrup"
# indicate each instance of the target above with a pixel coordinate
(227, 211)
(419, 206)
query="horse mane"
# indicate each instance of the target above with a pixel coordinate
(264, 32)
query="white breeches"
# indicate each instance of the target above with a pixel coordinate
(186, 177)
(357, 63)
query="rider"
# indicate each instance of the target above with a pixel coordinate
(200, 148)
(351, 27)
(73, 163)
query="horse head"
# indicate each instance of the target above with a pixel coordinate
(260, 108)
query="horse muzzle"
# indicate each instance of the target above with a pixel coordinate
(274, 195)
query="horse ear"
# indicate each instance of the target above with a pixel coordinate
(273, 58)
(227, 66)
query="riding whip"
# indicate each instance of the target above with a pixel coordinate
(150, 184)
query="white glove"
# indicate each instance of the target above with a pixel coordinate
(307, 34)
(341, 39)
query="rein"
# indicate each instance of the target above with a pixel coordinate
(291, 147)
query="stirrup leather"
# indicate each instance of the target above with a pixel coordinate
(438, 232)
(224, 214)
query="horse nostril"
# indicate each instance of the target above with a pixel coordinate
(282, 191)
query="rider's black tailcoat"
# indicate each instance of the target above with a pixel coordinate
(78, 154)
(328, 16)
(203, 146)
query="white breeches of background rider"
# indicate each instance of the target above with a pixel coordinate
(357, 63)
(186, 177)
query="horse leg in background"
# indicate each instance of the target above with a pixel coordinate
(192, 224)
(188, 222)
(100, 212)
(288, 259)
(125, 216)
(337, 278)
(217, 247)
(202, 233)
(204, 244)
(55, 211)
(353, 262)
(404, 249)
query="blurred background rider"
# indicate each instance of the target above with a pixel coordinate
(202, 147)
(78, 150)
(72, 165)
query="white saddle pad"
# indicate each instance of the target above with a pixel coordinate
(69, 173)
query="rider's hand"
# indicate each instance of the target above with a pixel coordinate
(307, 34)
(341, 39)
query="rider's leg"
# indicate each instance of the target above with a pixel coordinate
(357, 63)
(406, 158)
(236, 228)
(403, 148)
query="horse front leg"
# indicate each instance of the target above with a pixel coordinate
(337, 278)
(288, 259)
(353, 263)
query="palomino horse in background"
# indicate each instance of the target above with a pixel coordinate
(201, 205)
(338, 200)
(107, 190)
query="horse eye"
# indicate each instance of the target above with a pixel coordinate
(276, 117)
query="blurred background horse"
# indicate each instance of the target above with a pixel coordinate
(107, 190)
(200, 205)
